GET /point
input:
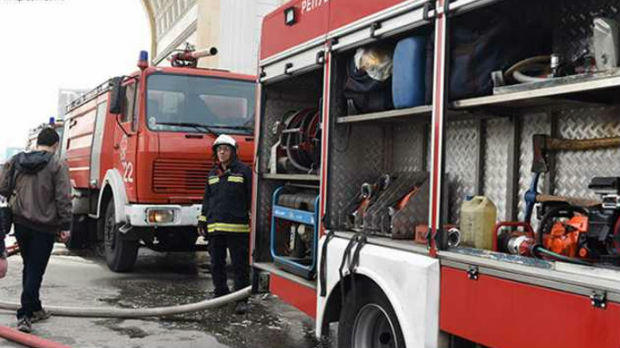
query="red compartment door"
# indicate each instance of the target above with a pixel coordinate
(501, 313)
(295, 294)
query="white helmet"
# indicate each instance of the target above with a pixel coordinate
(224, 139)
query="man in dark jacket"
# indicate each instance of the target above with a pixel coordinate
(41, 205)
(3, 255)
(225, 217)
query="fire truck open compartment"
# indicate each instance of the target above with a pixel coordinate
(489, 151)
(488, 137)
(486, 147)
(391, 142)
(279, 99)
(491, 154)
(389, 148)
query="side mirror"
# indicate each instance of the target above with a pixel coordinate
(118, 95)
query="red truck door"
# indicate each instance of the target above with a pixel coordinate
(126, 140)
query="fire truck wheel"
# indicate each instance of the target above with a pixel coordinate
(368, 320)
(120, 254)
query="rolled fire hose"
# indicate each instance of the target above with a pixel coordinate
(28, 339)
(515, 70)
(126, 313)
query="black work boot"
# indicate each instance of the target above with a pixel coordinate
(24, 325)
(241, 307)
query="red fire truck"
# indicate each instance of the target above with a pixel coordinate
(361, 214)
(139, 152)
(58, 125)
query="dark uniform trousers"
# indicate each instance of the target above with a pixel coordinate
(238, 245)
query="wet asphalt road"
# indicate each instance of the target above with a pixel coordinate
(159, 279)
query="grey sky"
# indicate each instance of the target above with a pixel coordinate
(53, 44)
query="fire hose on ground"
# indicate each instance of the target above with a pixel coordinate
(28, 339)
(123, 313)
(127, 313)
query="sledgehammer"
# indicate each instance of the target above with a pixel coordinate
(543, 144)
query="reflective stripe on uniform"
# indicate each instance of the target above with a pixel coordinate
(223, 227)
(238, 179)
(202, 218)
(213, 180)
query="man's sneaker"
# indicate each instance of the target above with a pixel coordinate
(241, 307)
(24, 325)
(40, 315)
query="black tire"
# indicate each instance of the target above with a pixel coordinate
(120, 254)
(79, 233)
(368, 321)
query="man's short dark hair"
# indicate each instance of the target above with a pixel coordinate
(48, 137)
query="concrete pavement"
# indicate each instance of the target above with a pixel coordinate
(159, 279)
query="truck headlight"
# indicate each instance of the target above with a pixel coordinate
(160, 216)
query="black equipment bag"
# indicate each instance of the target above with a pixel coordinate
(493, 39)
(364, 94)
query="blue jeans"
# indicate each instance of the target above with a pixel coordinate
(35, 248)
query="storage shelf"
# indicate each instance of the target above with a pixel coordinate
(385, 115)
(291, 177)
(549, 93)
(272, 268)
(401, 244)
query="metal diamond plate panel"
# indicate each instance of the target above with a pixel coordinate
(573, 23)
(265, 191)
(408, 148)
(574, 170)
(531, 124)
(402, 143)
(461, 152)
(495, 163)
(351, 145)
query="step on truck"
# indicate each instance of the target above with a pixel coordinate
(442, 173)
(139, 152)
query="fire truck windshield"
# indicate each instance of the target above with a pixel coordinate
(177, 103)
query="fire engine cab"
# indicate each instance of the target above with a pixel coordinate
(442, 173)
(139, 152)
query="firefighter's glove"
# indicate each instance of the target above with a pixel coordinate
(202, 226)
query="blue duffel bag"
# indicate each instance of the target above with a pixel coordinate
(408, 79)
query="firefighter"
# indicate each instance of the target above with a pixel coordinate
(225, 217)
